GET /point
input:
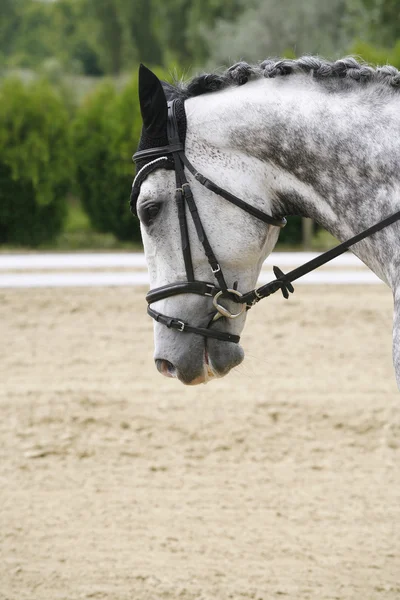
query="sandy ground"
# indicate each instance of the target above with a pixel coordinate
(281, 481)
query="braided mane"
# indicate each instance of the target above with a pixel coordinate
(347, 68)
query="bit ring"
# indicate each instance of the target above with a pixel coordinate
(224, 312)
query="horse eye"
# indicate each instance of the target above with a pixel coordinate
(149, 213)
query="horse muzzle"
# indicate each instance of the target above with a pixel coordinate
(198, 362)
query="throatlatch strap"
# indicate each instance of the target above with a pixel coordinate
(252, 210)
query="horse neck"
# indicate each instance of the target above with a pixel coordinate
(333, 157)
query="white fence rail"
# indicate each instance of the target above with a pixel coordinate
(137, 260)
(56, 267)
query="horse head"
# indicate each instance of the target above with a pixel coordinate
(216, 172)
(202, 251)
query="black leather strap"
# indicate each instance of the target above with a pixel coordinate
(159, 151)
(252, 210)
(185, 327)
(185, 243)
(203, 239)
(202, 288)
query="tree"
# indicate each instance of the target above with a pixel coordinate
(30, 32)
(202, 17)
(109, 30)
(10, 20)
(273, 27)
(141, 22)
(180, 25)
(76, 43)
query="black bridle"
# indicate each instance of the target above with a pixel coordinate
(173, 156)
(184, 198)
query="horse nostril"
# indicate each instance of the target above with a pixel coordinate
(166, 368)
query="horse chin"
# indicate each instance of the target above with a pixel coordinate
(215, 365)
(222, 357)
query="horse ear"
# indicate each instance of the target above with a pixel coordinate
(153, 103)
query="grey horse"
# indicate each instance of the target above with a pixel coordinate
(293, 137)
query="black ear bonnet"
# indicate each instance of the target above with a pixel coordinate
(148, 142)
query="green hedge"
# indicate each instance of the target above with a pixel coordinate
(35, 162)
(105, 134)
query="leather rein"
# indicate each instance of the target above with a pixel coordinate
(184, 197)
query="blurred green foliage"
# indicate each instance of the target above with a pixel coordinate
(376, 54)
(105, 37)
(105, 132)
(108, 37)
(54, 144)
(35, 162)
(291, 234)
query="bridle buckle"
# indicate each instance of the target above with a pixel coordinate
(211, 287)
